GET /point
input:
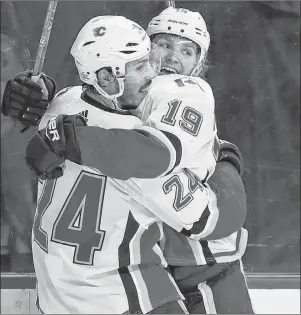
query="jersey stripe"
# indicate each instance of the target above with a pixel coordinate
(208, 298)
(148, 251)
(142, 288)
(198, 226)
(172, 143)
(124, 261)
(210, 260)
(197, 251)
(141, 280)
(238, 238)
(212, 213)
(124, 251)
(207, 222)
(134, 247)
(175, 141)
(159, 294)
(130, 290)
(241, 245)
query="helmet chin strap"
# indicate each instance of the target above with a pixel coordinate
(197, 69)
(111, 100)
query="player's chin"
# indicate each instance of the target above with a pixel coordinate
(133, 102)
(143, 91)
(142, 94)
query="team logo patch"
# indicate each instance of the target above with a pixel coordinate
(99, 31)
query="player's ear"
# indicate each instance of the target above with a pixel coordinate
(105, 77)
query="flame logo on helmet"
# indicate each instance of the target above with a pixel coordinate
(99, 31)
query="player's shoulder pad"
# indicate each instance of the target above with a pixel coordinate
(180, 85)
(204, 85)
(190, 90)
(68, 102)
(66, 95)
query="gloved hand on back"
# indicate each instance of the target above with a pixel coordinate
(26, 98)
(51, 146)
(230, 153)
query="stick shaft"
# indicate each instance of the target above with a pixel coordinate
(44, 40)
(170, 4)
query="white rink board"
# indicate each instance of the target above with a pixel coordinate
(16, 301)
(276, 301)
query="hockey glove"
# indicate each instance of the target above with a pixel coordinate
(25, 100)
(51, 146)
(230, 153)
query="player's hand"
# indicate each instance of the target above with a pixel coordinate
(230, 153)
(51, 146)
(26, 99)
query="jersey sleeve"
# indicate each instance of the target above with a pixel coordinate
(199, 211)
(177, 134)
(123, 154)
(227, 209)
(228, 188)
(177, 199)
(187, 127)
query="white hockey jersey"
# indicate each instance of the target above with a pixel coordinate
(97, 237)
(178, 113)
(182, 108)
(92, 252)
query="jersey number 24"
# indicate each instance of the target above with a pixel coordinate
(77, 224)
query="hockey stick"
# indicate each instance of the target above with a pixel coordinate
(170, 4)
(44, 40)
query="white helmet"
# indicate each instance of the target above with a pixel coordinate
(108, 41)
(185, 23)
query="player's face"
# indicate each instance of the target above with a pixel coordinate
(138, 78)
(178, 54)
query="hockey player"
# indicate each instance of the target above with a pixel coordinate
(217, 284)
(121, 247)
(95, 250)
(172, 108)
(183, 41)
